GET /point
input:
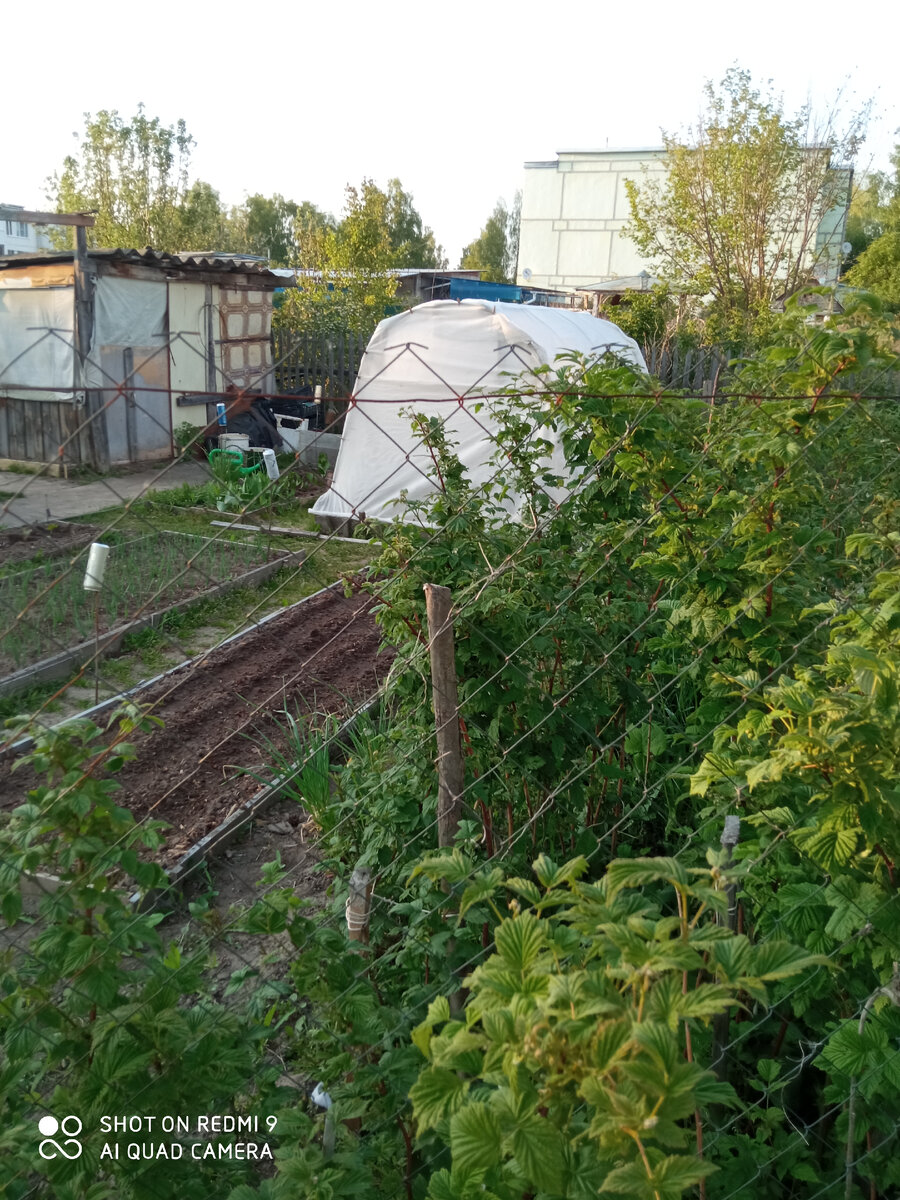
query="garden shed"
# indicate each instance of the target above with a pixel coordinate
(445, 359)
(163, 329)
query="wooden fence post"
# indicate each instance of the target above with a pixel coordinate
(358, 903)
(451, 774)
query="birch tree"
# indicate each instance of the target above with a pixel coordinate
(751, 203)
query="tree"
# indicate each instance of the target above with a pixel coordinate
(495, 251)
(203, 223)
(877, 267)
(135, 174)
(744, 200)
(264, 225)
(865, 220)
(412, 242)
(362, 240)
(352, 286)
(379, 231)
(311, 227)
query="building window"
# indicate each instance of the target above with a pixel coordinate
(9, 226)
(23, 229)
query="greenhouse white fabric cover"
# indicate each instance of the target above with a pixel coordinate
(441, 359)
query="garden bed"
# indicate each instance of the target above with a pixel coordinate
(47, 611)
(45, 541)
(322, 655)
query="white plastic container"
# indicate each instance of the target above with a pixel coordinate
(291, 437)
(234, 441)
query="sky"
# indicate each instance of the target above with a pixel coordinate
(451, 98)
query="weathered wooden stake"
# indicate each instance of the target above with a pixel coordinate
(445, 698)
(358, 903)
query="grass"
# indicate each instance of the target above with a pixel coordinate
(29, 701)
(186, 633)
(143, 574)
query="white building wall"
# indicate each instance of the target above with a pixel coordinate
(573, 211)
(16, 237)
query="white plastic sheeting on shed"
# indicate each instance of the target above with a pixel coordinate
(36, 339)
(446, 359)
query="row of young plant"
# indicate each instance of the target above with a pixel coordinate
(590, 992)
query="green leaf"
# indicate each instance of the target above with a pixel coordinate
(780, 960)
(438, 1012)
(636, 740)
(551, 876)
(475, 1138)
(519, 940)
(828, 847)
(11, 907)
(706, 1000)
(436, 1094)
(482, 888)
(637, 872)
(669, 1178)
(538, 1149)
(526, 888)
(454, 867)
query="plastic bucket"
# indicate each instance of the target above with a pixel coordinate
(234, 441)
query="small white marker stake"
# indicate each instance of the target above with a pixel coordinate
(93, 582)
(96, 567)
(271, 464)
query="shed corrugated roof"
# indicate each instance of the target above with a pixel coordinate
(227, 263)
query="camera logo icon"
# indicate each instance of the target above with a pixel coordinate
(71, 1127)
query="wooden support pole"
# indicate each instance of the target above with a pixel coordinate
(94, 411)
(445, 699)
(358, 904)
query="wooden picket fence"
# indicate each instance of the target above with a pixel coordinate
(308, 360)
(699, 369)
(305, 360)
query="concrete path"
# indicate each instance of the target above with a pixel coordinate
(39, 498)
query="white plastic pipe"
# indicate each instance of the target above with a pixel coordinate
(271, 464)
(96, 567)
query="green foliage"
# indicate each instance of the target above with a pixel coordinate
(349, 282)
(873, 230)
(699, 621)
(134, 172)
(570, 1063)
(412, 242)
(878, 269)
(268, 227)
(97, 1014)
(300, 758)
(495, 252)
(185, 434)
(697, 227)
(657, 318)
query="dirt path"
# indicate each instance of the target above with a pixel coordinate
(192, 773)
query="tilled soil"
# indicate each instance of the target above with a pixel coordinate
(56, 537)
(321, 657)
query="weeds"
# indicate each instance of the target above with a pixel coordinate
(300, 756)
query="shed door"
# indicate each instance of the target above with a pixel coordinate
(245, 317)
(139, 417)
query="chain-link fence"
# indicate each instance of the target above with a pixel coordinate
(541, 842)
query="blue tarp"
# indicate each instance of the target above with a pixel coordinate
(478, 289)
